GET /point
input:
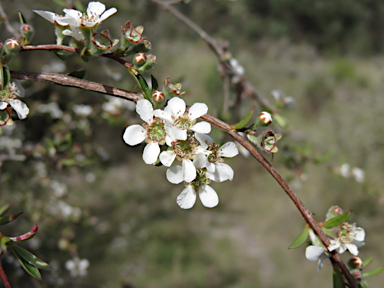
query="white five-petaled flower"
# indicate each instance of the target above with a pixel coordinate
(96, 14)
(217, 170)
(178, 121)
(152, 132)
(8, 95)
(348, 237)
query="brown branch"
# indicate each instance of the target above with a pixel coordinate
(245, 86)
(96, 87)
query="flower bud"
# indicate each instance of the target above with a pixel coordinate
(356, 274)
(139, 59)
(11, 47)
(265, 118)
(172, 90)
(27, 32)
(151, 61)
(355, 262)
(158, 96)
(333, 212)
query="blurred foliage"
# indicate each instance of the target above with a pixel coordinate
(94, 198)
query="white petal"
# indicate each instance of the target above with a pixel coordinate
(208, 196)
(178, 133)
(145, 110)
(107, 14)
(72, 17)
(222, 173)
(189, 171)
(335, 244)
(360, 234)
(204, 139)
(210, 167)
(3, 105)
(21, 109)
(50, 16)
(167, 157)
(175, 174)
(197, 110)
(200, 160)
(313, 253)
(202, 127)
(95, 7)
(187, 198)
(229, 149)
(163, 115)
(151, 153)
(176, 106)
(134, 135)
(352, 248)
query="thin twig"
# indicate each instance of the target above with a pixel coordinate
(96, 87)
(3, 277)
(246, 87)
(8, 25)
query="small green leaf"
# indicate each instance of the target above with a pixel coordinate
(7, 219)
(31, 270)
(144, 87)
(363, 284)
(301, 239)
(77, 74)
(245, 121)
(367, 261)
(155, 85)
(28, 256)
(373, 272)
(22, 19)
(4, 208)
(280, 120)
(337, 221)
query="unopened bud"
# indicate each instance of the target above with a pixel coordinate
(158, 96)
(356, 274)
(172, 89)
(355, 262)
(12, 44)
(265, 118)
(139, 59)
(26, 33)
(333, 212)
(151, 61)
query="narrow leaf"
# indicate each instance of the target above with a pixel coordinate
(373, 272)
(144, 87)
(337, 221)
(7, 219)
(4, 208)
(245, 121)
(31, 270)
(26, 236)
(363, 284)
(301, 239)
(155, 85)
(367, 261)
(6, 76)
(77, 74)
(28, 256)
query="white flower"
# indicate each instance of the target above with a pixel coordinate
(114, 105)
(348, 237)
(317, 251)
(8, 95)
(152, 132)
(345, 170)
(95, 15)
(77, 267)
(178, 122)
(218, 170)
(52, 108)
(187, 197)
(82, 110)
(358, 174)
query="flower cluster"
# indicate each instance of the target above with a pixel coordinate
(343, 237)
(202, 161)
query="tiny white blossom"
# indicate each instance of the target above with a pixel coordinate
(358, 174)
(96, 14)
(178, 122)
(114, 105)
(152, 132)
(82, 110)
(77, 266)
(349, 237)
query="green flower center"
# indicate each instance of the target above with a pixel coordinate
(200, 180)
(183, 122)
(155, 131)
(185, 149)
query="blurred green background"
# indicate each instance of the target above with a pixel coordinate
(121, 214)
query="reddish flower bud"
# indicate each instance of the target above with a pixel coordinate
(158, 96)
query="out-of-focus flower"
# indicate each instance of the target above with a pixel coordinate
(348, 237)
(358, 174)
(77, 267)
(82, 110)
(52, 108)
